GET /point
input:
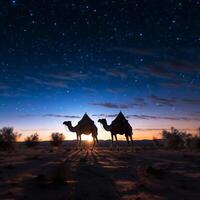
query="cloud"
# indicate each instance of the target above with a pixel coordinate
(149, 71)
(4, 90)
(136, 102)
(139, 102)
(47, 83)
(171, 102)
(104, 115)
(58, 80)
(160, 69)
(89, 90)
(196, 113)
(3, 86)
(150, 117)
(129, 71)
(117, 73)
(178, 84)
(68, 76)
(160, 72)
(7, 94)
(180, 66)
(53, 115)
(116, 90)
(112, 105)
(166, 69)
(62, 116)
(162, 101)
(191, 101)
(7, 91)
(137, 51)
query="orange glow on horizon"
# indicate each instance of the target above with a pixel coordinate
(45, 135)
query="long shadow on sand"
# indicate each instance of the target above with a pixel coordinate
(93, 181)
(40, 184)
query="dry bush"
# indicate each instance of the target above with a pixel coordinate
(176, 139)
(193, 142)
(173, 139)
(8, 138)
(57, 139)
(32, 140)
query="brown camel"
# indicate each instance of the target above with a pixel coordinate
(119, 125)
(85, 126)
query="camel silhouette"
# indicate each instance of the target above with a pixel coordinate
(85, 126)
(119, 125)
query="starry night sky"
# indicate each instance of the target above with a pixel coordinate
(62, 58)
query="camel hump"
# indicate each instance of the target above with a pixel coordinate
(86, 120)
(120, 119)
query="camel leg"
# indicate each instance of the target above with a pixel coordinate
(94, 135)
(94, 142)
(77, 141)
(127, 139)
(112, 141)
(80, 144)
(131, 141)
(128, 142)
(117, 142)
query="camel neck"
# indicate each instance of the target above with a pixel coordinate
(71, 128)
(106, 126)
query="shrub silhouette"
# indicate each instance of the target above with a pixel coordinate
(32, 140)
(8, 138)
(57, 139)
(174, 139)
(193, 142)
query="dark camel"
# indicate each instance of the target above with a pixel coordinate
(85, 126)
(118, 126)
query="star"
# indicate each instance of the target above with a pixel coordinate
(141, 34)
(13, 2)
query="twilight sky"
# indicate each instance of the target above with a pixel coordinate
(62, 58)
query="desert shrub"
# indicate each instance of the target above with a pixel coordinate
(176, 139)
(32, 140)
(193, 142)
(8, 138)
(57, 139)
(173, 139)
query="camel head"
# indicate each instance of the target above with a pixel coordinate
(102, 121)
(67, 123)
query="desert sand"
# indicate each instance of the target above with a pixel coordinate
(69, 173)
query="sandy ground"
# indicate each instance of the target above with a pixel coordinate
(100, 174)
